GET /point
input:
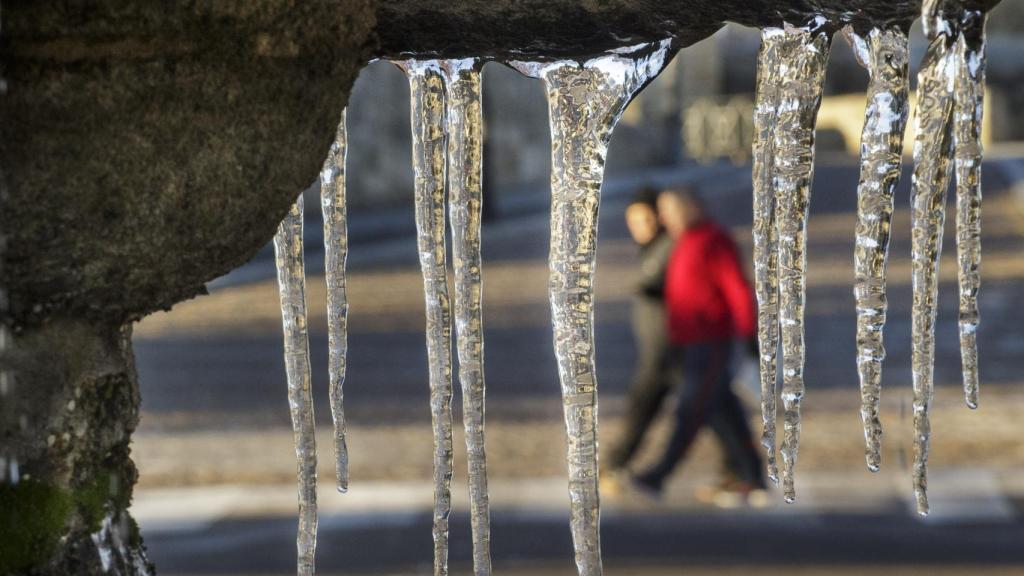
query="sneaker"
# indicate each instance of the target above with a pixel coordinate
(611, 483)
(646, 486)
(730, 493)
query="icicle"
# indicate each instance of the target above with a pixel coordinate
(291, 278)
(884, 53)
(6, 377)
(766, 258)
(465, 134)
(932, 150)
(13, 470)
(951, 84)
(799, 71)
(10, 470)
(584, 102)
(969, 85)
(427, 90)
(332, 204)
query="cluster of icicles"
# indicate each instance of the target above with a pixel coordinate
(585, 99)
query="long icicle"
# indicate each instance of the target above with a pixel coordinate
(465, 164)
(291, 279)
(765, 245)
(802, 55)
(969, 85)
(884, 53)
(933, 147)
(429, 149)
(332, 204)
(585, 101)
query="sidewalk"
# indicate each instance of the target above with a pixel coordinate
(236, 511)
(384, 527)
(958, 496)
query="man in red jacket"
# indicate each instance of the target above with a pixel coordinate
(709, 305)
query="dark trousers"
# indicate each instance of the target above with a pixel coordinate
(706, 398)
(655, 375)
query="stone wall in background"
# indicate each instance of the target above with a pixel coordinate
(518, 144)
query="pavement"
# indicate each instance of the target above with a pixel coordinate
(216, 492)
(384, 527)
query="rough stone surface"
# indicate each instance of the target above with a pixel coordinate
(146, 148)
(512, 28)
(523, 28)
(149, 147)
(77, 406)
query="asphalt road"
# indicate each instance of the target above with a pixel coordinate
(400, 543)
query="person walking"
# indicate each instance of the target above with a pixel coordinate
(709, 305)
(657, 367)
(654, 376)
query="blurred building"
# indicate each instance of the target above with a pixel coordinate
(518, 150)
(700, 108)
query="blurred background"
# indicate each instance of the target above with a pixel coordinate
(216, 493)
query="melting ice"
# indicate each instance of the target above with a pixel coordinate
(791, 73)
(291, 279)
(429, 149)
(585, 100)
(465, 150)
(948, 121)
(884, 53)
(969, 86)
(333, 207)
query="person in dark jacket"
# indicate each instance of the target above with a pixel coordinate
(653, 376)
(709, 305)
(657, 367)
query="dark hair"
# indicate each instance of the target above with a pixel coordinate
(646, 195)
(685, 193)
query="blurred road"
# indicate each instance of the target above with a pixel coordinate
(216, 463)
(385, 528)
(218, 357)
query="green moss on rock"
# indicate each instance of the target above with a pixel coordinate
(33, 519)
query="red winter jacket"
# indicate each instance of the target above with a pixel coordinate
(707, 295)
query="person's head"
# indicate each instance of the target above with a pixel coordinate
(642, 216)
(679, 209)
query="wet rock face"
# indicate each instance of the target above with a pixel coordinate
(148, 147)
(145, 149)
(523, 28)
(70, 426)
